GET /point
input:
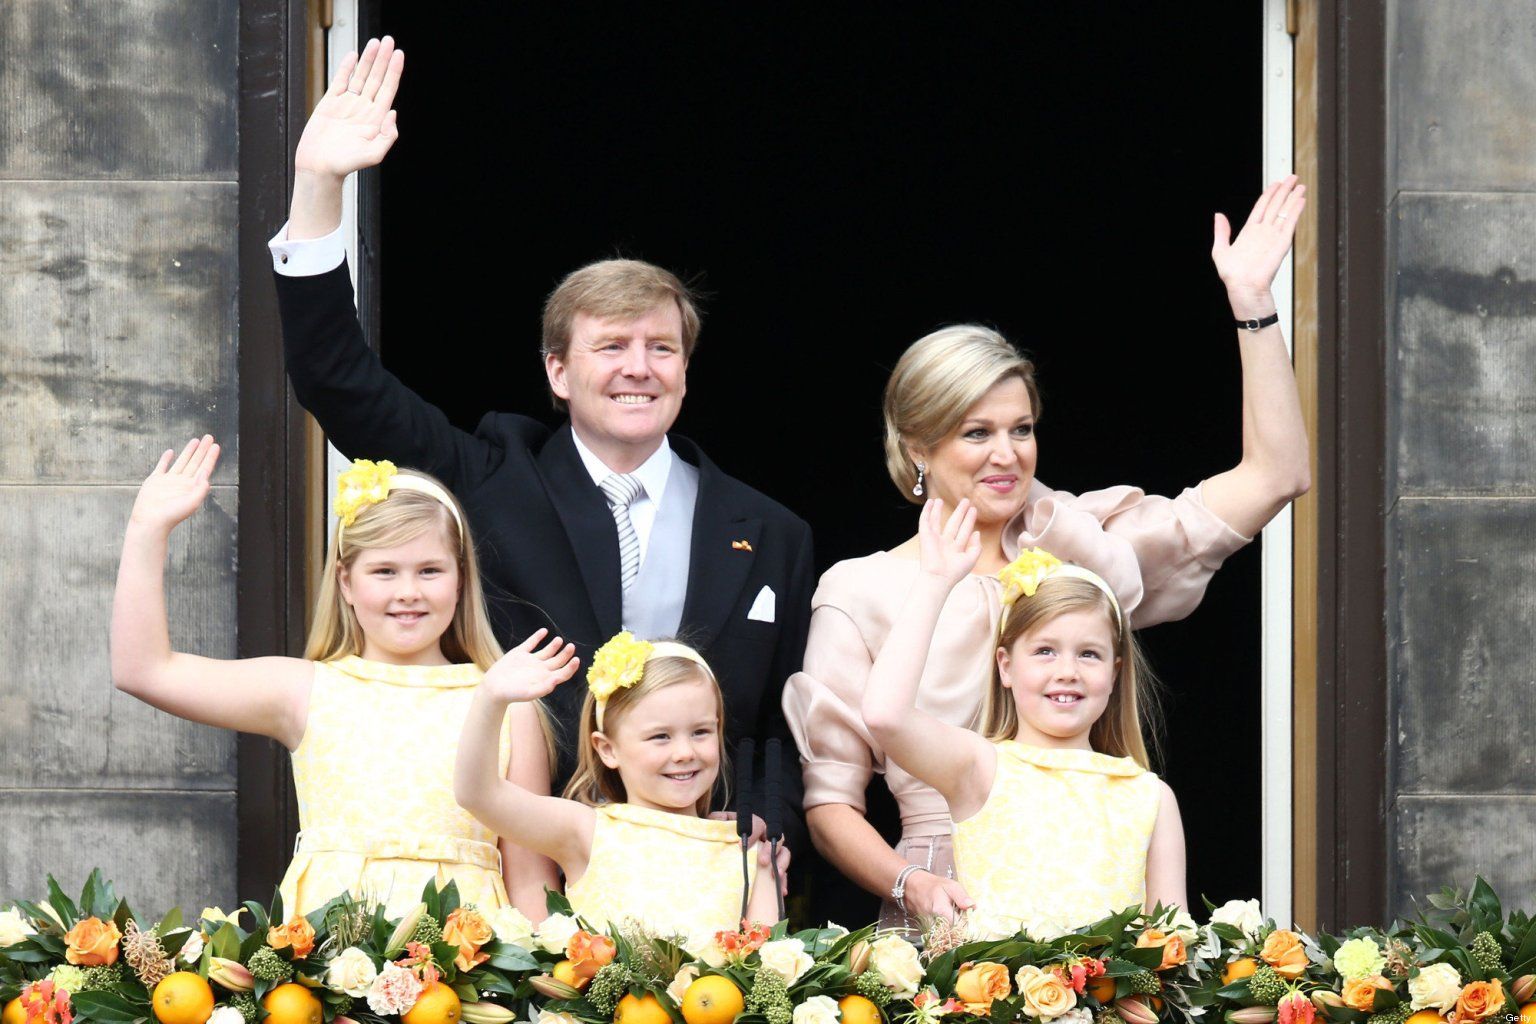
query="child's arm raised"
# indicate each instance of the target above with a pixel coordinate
(557, 828)
(266, 696)
(950, 759)
(1165, 854)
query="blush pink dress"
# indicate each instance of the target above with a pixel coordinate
(1157, 553)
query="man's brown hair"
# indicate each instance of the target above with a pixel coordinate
(615, 290)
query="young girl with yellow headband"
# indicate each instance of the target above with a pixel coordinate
(1058, 822)
(630, 834)
(372, 711)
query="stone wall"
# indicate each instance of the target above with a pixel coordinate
(1461, 472)
(118, 339)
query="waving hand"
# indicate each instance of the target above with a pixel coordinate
(353, 125)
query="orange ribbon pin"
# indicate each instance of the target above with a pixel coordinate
(741, 545)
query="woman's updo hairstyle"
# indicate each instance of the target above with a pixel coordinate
(936, 381)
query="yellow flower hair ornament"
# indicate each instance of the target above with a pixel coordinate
(368, 483)
(1022, 578)
(620, 664)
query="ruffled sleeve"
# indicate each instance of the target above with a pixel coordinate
(822, 704)
(1157, 553)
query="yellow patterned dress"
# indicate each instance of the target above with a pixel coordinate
(671, 873)
(374, 774)
(1061, 840)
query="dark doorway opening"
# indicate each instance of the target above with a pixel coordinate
(842, 181)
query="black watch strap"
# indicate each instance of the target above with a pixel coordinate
(1259, 324)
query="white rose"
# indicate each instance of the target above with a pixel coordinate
(1080, 1015)
(1181, 924)
(833, 926)
(1244, 915)
(555, 932)
(511, 926)
(551, 1017)
(894, 961)
(680, 982)
(1435, 987)
(817, 1010)
(14, 928)
(351, 973)
(787, 958)
(192, 949)
(226, 1015)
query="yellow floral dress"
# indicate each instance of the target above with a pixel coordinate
(670, 873)
(374, 774)
(1061, 840)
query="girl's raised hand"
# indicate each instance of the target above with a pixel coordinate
(949, 547)
(1248, 264)
(353, 125)
(177, 486)
(528, 672)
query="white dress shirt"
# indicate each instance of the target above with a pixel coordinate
(652, 474)
(309, 256)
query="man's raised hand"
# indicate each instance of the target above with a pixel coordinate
(353, 125)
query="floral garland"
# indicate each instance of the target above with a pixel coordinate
(63, 961)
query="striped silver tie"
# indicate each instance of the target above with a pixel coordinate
(621, 489)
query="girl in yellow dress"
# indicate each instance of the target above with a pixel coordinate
(630, 834)
(1058, 822)
(372, 712)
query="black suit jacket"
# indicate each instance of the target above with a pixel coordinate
(548, 549)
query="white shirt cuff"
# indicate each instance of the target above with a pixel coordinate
(309, 256)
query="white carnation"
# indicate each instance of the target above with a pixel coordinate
(394, 991)
(817, 1010)
(226, 1015)
(1078, 1015)
(787, 958)
(551, 1017)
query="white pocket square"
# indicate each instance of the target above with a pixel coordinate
(762, 607)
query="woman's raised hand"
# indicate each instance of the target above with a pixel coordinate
(949, 547)
(177, 485)
(528, 671)
(353, 125)
(1248, 264)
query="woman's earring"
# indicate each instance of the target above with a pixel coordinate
(917, 490)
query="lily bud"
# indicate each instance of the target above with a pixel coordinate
(858, 957)
(544, 985)
(1523, 988)
(1251, 1015)
(1329, 1003)
(230, 974)
(486, 1013)
(403, 931)
(339, 1019)
(1133, 1010)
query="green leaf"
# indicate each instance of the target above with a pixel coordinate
(108, 1007)
(1485, 907)
(433, 900)
(508, 957)
(449, 901)
(556, 903)
(173, 943)
(62, 904)
(466, 993)
(170, 922)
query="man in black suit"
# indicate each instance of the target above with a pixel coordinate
(601, 524)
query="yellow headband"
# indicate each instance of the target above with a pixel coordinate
(1023, 576)
(620, 664)
(368, 483)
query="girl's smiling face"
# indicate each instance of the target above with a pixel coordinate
(666, 747)
(1061, 674)
(404, 598)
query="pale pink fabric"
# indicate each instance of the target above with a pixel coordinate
(1157, 553)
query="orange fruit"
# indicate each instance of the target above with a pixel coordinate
(291, 1003)
(1431, 1017)
(1237, 970)
(1528, 1013)
(712, 1000)
(182, 998)
(568, 972)
(1102, 988)
(13, 1013)
(437, 1004)
(856, 1010)
(646, 1009)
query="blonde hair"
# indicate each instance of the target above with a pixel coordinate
(594, 783)
(400, 518)
(615, 290)
(935, 383)
(1132, 703)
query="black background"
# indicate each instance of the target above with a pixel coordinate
(841, 180)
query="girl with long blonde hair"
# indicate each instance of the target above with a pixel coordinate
(371, 713)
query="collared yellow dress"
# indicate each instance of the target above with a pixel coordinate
(374, 775)
(672, 874)
(1060, 842)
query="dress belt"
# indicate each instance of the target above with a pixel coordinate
(398, 846)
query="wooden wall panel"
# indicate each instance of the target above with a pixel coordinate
(129, 89)
(117, 326)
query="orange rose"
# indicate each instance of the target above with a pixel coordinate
(1360, 993)
(468, 930)
(296, 933)
(981, 983)
(590, 953)
(1283, 951)
(1478, 1001)
(92, 943)
(1171, 944)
